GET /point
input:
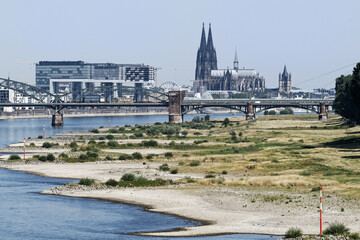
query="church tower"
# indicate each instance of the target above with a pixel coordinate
(206, 56)
(285, 81)
(236, 62)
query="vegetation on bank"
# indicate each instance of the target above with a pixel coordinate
(127, 180)
(282, 151)
(333, 229)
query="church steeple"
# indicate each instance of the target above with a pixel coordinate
(206, 56)
(285, 73)
(210, 45)
(236, 61)
(203, 38)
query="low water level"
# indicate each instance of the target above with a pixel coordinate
(27, 214)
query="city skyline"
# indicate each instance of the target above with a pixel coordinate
(311, 38)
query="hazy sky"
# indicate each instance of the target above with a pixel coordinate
(312, 37)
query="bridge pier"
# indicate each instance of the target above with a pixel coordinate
(57, 119)
(175, 109)
(250, 115)
(323, 114)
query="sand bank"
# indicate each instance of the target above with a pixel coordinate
(223, 210)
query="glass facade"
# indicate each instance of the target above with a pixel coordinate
(67, 70)
(47, 70)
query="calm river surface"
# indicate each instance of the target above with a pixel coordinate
(27, 214)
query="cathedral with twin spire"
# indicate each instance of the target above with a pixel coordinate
(209, 77)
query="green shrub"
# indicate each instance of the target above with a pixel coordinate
(164, 167)
(286, 111)
(143, 182)
(50, 157)
(108, 158)
(197, 133)
(293, 232)
(174, 171)
(137, 155)
(150, 143)
(86, 181)
(305, 173)
(113, 144)
(83, 157)
(42, 158)
(32, 144)
(128, 177)
(169, 155)
(121, 129)
(336, 229)
(101, 138)
(113, 130)
(63, 155)
(210, 175)
(92, 154)
(125, 157)
(354, 236)
(73, 145)
(14, 157)
(92, 141)
(224, 172)
(110, 137)
(40, 137)
(315, 189)
(138, 135)
(194, 163)
(95, 130)
(111, 182)
(150, 156)
(272, 112)
(47, 145)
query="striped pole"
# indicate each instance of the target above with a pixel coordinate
(24, 148)
(320, 210)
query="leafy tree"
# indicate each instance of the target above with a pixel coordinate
(272, 112)
(207, 117)
(184, 133)
(226, 122)
(355, 87)
(344, 104)
(287, 111)
(50, 157)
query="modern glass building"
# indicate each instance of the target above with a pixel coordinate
(58, 76)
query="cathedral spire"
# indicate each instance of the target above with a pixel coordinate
(285, 73)
(203, 38)
(210, 44)
(236, 61)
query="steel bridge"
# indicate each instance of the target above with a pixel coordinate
(142, 97)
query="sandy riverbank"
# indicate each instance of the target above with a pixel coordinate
(224, 210)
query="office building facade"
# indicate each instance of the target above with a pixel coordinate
(62, 76)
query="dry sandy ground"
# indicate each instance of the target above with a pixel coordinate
(222, 209)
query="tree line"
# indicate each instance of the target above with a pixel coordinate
(347, 99)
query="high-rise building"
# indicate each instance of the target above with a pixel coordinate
(285, 81)
(209, 77)
(57, 76)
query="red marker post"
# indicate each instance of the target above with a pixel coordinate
(24, 148)
(320, 210)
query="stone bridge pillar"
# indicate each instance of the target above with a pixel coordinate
(250, 115)
(57, 119)
(323, 113)
(175, 110)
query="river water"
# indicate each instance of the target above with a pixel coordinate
(27, 214)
